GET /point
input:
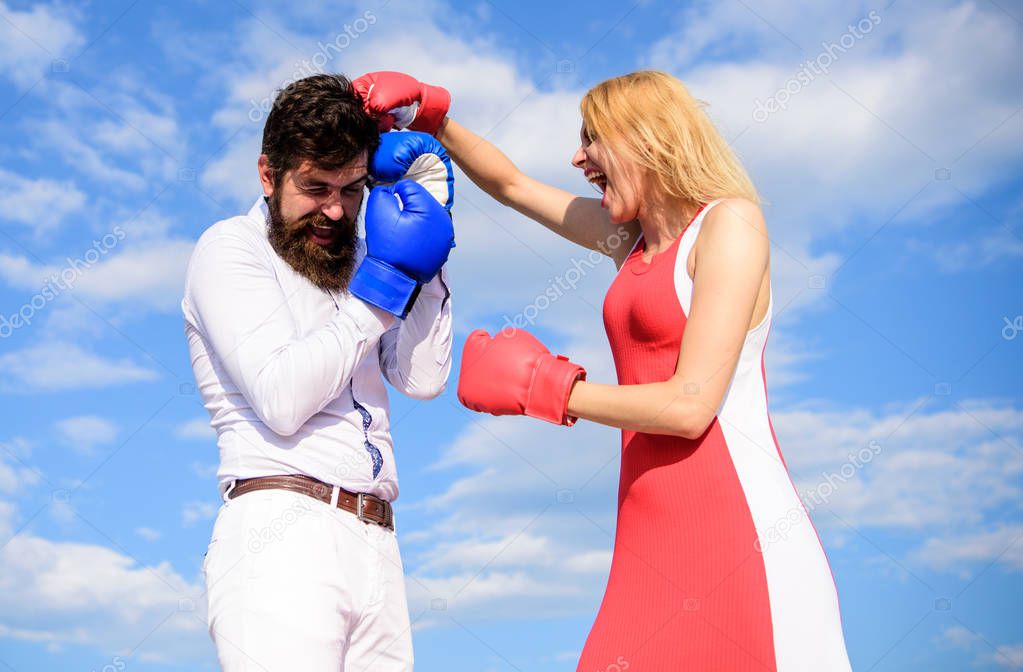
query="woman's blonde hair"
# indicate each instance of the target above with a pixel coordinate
(651, 116)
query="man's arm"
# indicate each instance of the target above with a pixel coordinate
(415, 355)
(244, 314)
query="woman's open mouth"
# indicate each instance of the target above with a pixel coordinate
(597, 179)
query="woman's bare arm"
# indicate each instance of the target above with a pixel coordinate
(580, 220)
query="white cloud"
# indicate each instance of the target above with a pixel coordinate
(205, 471)
(8, 514)
(148, 273)
(232, 176)
(1004, 544)
(40, 204)
(20, 271)
(85, 432)
(855, 145)
(15, 472)
(1005, 656)
(938, 472)
(195, 511)
(198, 429)
(786, 362)
(33, 39)
(958, 636)
(62, 512)
(137, 129)
(19, 447)
(84, 594)
(534, 540)
(147, 533)
(54, 135)
(975, 251)
(77, 321)
(120, 133)
(57, 365)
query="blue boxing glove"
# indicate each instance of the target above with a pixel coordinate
(411, 155)
(408, 238)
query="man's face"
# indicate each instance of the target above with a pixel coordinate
(313, 219)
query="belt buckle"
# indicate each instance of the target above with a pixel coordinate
(360, 508)
(360, 511)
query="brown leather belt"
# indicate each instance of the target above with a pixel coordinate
(367, 508)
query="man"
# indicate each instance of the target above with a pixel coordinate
(293, 321)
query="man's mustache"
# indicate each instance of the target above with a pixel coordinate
(319, 219)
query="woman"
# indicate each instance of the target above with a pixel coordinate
(716, 565)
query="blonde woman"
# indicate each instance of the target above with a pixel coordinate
(716, 565)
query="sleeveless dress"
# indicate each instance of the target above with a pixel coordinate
(716, 566)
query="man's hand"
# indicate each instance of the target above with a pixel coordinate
(408, 239)
(401, 101)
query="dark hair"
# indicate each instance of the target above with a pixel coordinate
(319, 118)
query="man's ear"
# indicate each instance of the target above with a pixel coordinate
(266, 175)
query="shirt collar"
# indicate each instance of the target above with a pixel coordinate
(260, 209)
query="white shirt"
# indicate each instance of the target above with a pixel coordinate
(279, 361)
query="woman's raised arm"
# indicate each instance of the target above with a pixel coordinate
(581, 220)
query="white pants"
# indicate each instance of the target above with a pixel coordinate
(294, 584)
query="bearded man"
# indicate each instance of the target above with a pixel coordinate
(294, 321)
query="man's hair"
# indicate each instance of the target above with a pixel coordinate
(319, 118)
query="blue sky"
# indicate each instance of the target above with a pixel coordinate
(890, 161)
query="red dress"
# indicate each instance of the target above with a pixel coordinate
(716, 566)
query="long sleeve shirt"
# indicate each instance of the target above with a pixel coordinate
(292, 375)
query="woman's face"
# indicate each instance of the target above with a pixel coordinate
(618, 178)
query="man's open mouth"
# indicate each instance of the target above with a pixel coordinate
(322, 234)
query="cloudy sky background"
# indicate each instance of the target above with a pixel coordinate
(892, 174)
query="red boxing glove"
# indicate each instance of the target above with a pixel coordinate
(514, 374)
(397, 99)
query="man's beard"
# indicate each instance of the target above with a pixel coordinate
(329, 267)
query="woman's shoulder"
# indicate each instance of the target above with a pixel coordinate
(736, 208)
(734, 222)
